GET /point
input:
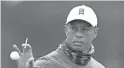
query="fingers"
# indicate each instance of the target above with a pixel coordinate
(16, 49)
(30, 62)
(26, 47)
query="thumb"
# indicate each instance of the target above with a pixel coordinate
(30, 62)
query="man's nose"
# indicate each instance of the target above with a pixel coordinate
(79, 35)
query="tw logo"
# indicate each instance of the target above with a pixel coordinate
(81, 11)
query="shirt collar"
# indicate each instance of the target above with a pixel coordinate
(66, 59)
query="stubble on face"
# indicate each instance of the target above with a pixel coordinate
(76, 37)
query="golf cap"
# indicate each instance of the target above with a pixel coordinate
(83, 13)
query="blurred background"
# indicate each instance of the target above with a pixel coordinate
(43, 23)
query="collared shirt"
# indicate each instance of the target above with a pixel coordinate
(58, 59)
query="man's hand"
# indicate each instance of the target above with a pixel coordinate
(26, 57)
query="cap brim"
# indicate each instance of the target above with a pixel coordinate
(77, 19)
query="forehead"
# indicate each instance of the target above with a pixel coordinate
(81, 23)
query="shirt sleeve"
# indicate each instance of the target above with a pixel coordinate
(43, 63)
(96, 64)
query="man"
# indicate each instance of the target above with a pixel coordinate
(76, 51)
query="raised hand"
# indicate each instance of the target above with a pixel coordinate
(26, 58)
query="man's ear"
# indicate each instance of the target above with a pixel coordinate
(95, 32)
(65, 28)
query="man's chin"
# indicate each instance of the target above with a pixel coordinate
(77, 47)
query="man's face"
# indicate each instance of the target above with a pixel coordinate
(80, 35)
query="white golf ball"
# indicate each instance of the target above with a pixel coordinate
(14, 55)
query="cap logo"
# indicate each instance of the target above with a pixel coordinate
(81, 11)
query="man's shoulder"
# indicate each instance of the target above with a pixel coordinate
(96, 64)
(42, 62)
(45, 61)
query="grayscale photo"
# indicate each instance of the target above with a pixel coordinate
(62, 34)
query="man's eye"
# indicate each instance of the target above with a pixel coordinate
(74, 28)
(86, 29)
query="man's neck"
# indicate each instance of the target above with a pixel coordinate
(77, 57)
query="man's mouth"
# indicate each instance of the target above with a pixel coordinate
(78, 42)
